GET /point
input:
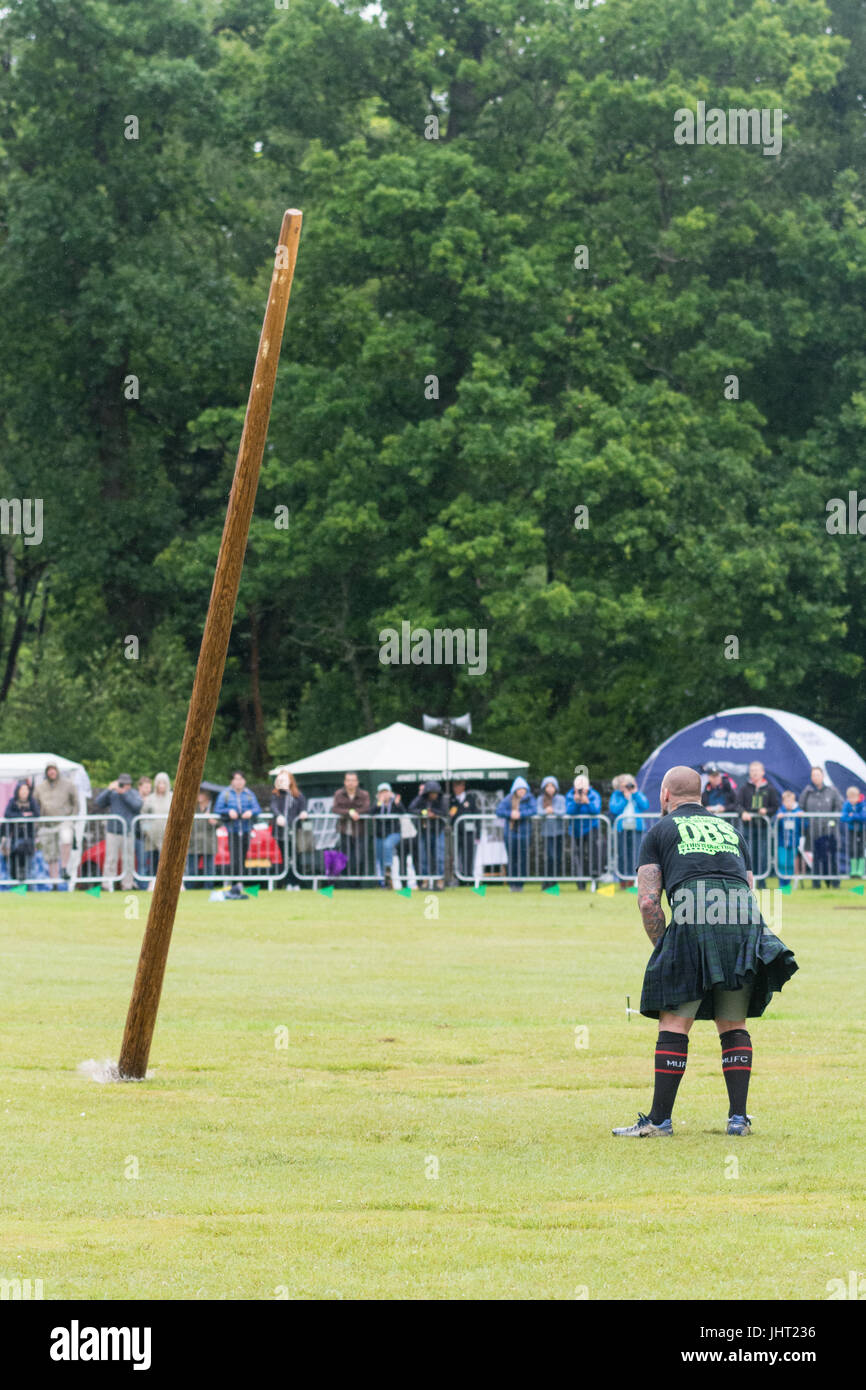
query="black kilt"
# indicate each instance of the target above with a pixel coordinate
(695, 955)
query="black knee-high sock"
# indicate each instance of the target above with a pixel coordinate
(737, 1067)
(672, 1051)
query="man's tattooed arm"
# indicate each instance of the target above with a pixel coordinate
(649, 894)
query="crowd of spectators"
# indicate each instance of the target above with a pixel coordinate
(547, 834)
(808, 825)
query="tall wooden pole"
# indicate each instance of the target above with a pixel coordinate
(143, 1006)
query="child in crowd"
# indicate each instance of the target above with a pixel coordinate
(854, 823)
(790, 828)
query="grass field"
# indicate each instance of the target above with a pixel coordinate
(414, 1047)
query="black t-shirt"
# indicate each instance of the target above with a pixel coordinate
(693, 843)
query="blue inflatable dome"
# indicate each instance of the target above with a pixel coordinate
(788, 745)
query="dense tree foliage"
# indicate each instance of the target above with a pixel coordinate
(563, 380)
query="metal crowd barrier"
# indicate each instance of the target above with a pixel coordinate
(759, 834)
(260, 855)
(402, 848)
(817, 845)
(537, 849)
(626, 837)
(102, 849)
(32, 851)
(327, 848)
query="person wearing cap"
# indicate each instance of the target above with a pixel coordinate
(58, 798)
(430, 807)
(386, 813)
(121, 804)
(719, 794)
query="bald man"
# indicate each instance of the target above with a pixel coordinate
(715, 959)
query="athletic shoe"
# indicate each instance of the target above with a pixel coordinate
(739, 1124)
(235, 892)
(644, 1129)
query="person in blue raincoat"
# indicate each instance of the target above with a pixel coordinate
(551, 809)
(854, 828)
(516, 809)
(583, 803)
(625, 804)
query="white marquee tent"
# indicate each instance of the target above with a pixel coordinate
(14, 766)
(403, 754)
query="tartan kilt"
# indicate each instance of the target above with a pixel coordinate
(694, 956)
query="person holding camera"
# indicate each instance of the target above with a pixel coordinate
(583, 807)
(121, 804)
(626, 803)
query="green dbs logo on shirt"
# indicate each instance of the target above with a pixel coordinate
(706, 835)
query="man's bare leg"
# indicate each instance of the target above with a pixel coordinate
(674, 1023)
